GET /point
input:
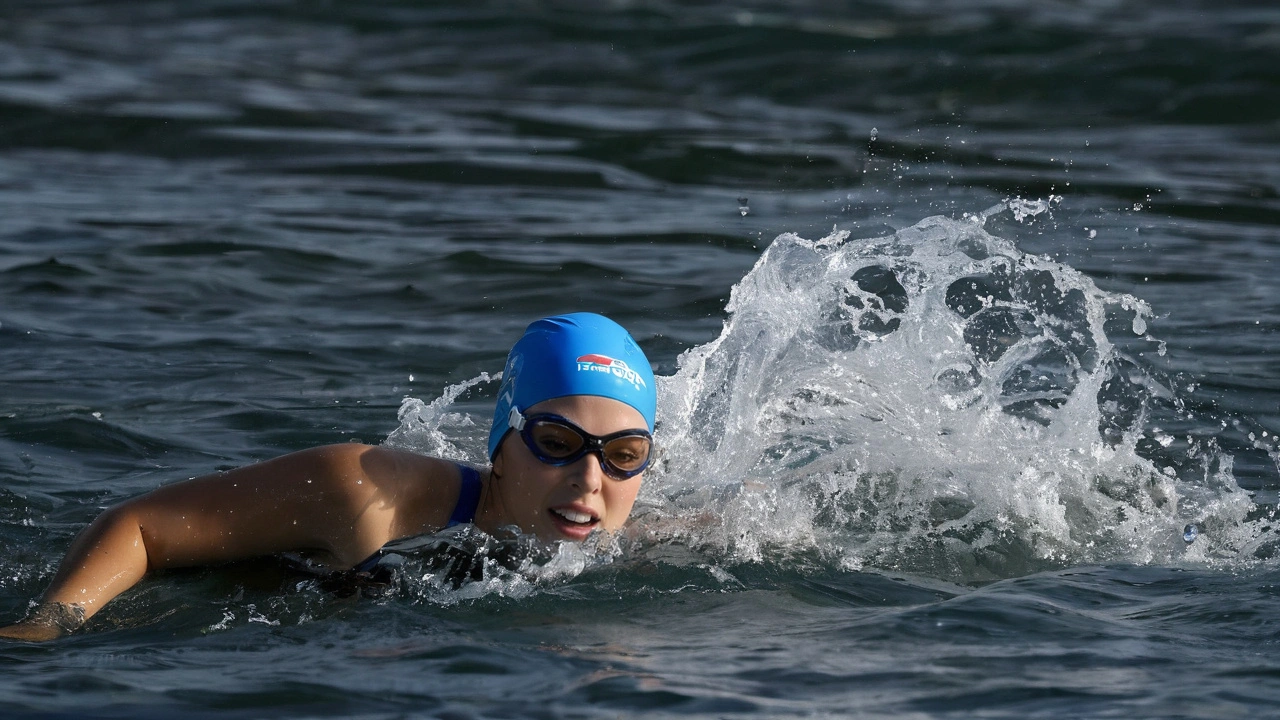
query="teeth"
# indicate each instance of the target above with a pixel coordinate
(571, 516)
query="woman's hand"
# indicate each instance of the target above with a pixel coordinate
(49, 621)
(30, 632)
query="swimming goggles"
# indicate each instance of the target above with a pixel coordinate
(556, 441)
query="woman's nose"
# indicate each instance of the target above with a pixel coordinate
(589, 472)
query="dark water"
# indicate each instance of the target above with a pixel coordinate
(231, 230)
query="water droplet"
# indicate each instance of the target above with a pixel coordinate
(874, 132)
(743, 208)
(1190, 533)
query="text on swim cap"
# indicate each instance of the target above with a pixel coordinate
(606, 364)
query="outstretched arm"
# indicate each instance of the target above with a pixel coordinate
(341, 502)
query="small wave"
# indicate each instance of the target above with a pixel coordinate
(465, 563)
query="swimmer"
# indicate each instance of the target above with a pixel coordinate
(570, 441)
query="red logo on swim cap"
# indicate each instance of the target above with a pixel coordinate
(597, 359)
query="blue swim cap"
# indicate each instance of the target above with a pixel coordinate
(575, 354)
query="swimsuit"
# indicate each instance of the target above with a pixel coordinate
(463, 512)
(468, 497)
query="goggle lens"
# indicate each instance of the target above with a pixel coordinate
(557, 441)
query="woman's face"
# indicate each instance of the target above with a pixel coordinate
(570, 501)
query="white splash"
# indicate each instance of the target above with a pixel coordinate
(935, 401)
(429, 428)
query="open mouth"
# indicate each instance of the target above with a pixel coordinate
(575, 517)
(574, 524)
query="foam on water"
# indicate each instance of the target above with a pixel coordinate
(933, 401)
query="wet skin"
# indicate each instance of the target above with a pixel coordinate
(566, 502)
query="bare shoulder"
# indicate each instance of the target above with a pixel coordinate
(423, 489)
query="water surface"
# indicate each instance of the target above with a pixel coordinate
(231, 230)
